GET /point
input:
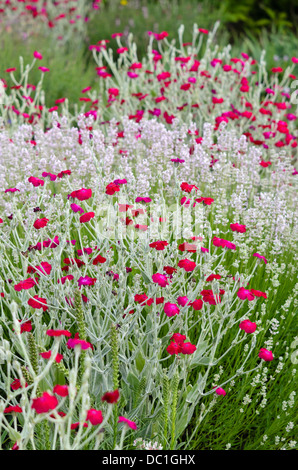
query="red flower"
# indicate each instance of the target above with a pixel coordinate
(82, 194)
(159, 245)
(112, 188)
(187, 265)
(212, 277)
(99, 259)
(248, 326)
(197, 304)
(58, 333)
(16, 384)
(76, 425)
(223, 243)
(188, 348)
(86, 281)
(38, 302)
(13, 409)
(111, 397)
(191, 248)
(258, 293)
(94, 416)
(169, 270)
(44, 403)
(187, 187)
(86, 217)
(27, 326)
(47, 355)
(173, 348)
(61, 390)
(25, 285)
(40, 223)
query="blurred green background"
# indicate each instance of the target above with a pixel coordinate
(249, 25)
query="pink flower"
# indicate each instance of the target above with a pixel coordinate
(43, 69)
(223, 243)
(220, 391)
(187, 265)
(266, 355)
(238, 228)
(86, 281)
(127, 422)
(146, 200)
(260, 257)
(44, 403)
(171, 309)
(77, 208)
(112, 188)
(94, 416)
(37, 55)
(248, 326)
(182, 301)
(72, 343)
(245, 294)
(36, 181)
(160, 279)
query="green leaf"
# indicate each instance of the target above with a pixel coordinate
(140, 361)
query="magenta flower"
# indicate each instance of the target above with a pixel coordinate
(171, 309)
(160, 279)
(73, 342)
(220, 391)
(245, 294)
(248, 326)
(182, 301)
(266, 355)
(187, 265)
(260, 257)
(76, 208)
(127, 422)
(238, 228)
(146, 200)
(86, 281)
(44, 403)
(43, 69)
(94, 416)
(37, 55)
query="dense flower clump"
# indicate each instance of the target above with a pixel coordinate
(147, 259)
